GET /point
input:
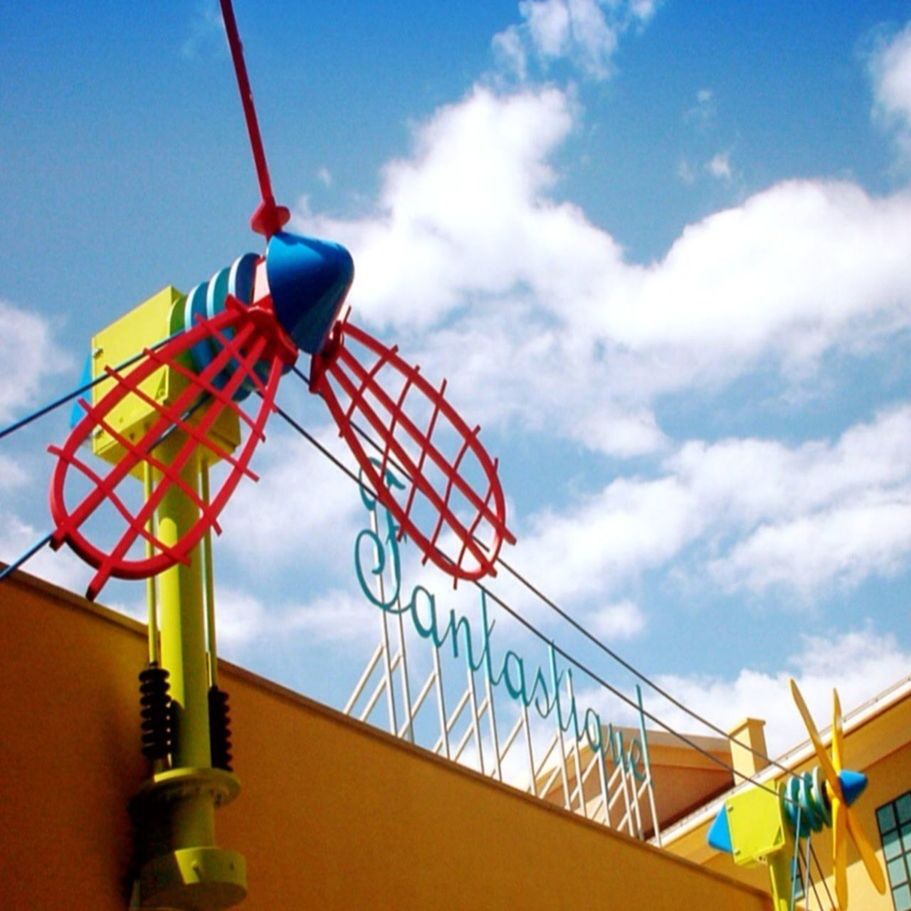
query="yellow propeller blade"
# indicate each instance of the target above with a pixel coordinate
(821, 754)
(867, 854)
(837, 733)
(842, 817)
(840, 852)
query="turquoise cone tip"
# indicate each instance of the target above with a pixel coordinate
(719, 836)
(852, 784)
(308, 280)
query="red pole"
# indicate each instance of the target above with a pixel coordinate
(268, 217)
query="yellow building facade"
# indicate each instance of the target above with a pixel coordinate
(332, 814)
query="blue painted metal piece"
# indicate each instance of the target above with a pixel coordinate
(807, 808)
(207, 300)
(238, 281)
(241, 281)
(216, 292)
(852, 784)
(719, 836)
(242, 277)
(308, 281)
(194, 310)
(77, 412)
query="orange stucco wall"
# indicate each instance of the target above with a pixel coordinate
(333, 814)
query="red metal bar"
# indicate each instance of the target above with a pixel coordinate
(268, 218)
(241, 352)
(354, 380)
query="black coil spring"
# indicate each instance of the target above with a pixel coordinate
(155, 711)
(220, 729)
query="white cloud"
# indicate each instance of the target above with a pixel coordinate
(452, 215)
(811, 515)
(760, 479)
(12, 474)
(622, 620)
(335, 616)
(241, 618)
(686, 173)
(585, 32)
(206, 32)
(29, 355)
(609, 538)
(792, 271)
(703, 111)
(538, 317)
(890, 67)
(529, 298)
(860, 664)
(509, 49)
(61, 567)
(550, 23)
(719, 166)
(757, 514)
(281, 521)
(844, 544)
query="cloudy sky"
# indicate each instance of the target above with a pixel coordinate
(660, 250)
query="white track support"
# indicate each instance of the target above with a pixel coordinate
(494, 735)
(555, 769)
(410, 711)
(362, 681)
(577, 758)
(441, 703)
(387, 674)
(475, 717)
(643, 739)
(602, 786)
(567, 796)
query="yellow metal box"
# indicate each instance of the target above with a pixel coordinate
(153, 320)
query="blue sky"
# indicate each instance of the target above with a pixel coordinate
(660, 250)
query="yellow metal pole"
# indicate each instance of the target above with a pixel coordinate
(159, 762)
(183, 651)
(209, 583)
(178, 865)
(154, 656)
(181, 866)
(780, 879)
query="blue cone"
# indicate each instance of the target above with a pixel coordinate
(308, 281)
(852, 784)
(719, 836)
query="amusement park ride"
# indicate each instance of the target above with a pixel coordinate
(163, 417)
(767, 825)
(168, 380)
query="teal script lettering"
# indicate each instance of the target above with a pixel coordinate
(376, 556)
